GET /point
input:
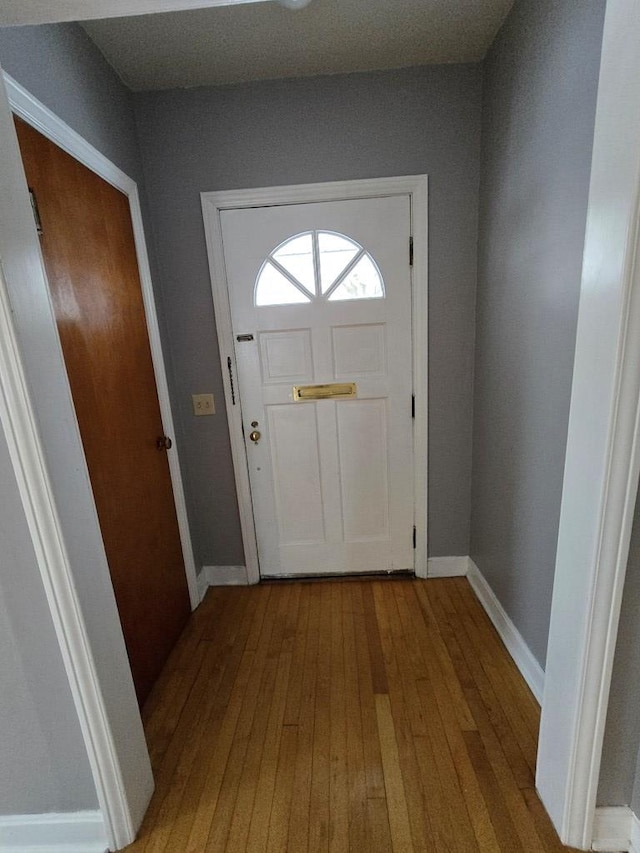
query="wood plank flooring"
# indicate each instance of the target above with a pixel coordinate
(336, 716)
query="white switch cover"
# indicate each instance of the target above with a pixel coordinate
(203, 404)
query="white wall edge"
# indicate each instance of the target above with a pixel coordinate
(612, 829)
(447, 567)
(602, 459)
(18, 420)
(40, 117)
(73, 832)
(522, 655)
(416, 187)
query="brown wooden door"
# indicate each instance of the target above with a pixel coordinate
(90, 258)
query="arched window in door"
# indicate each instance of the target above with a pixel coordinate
(318, 265)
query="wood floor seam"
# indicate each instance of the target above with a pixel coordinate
(368, 717)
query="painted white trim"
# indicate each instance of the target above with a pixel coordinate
(19, 424)
(602, 459)
(40, 117)
(420, 324)
(203, 584)
(416, 187)
(612, 829)
(447, 567)
(222, 576)
(522, 655)
(634, 846)
(72, 832)
(46, 12)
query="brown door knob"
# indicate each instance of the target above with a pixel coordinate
(163, 442)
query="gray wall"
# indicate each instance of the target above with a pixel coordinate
(538, 115)
(620, 755)
(43, 761)
(295, 131)
(62, 67)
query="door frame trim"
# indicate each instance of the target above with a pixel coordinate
(213, 203)
(40, 117)
(602, 460)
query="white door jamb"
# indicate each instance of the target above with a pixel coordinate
(603, 459)
(212, 204)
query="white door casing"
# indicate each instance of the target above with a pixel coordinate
(331, 479)
(213, 205)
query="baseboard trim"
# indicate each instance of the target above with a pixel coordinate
(447, 567)
(524, 659)
(72, 832)
(203, 585)
(634, 847)
(612, 830)
(221, 576)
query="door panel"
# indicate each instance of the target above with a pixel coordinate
(293, 433)
(362, 442)
(90, 259)
(325, 292)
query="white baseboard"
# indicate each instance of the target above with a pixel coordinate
(524, 659)
(221, 576)
(634, 847)
(73, 832)
(612, 830)
(447, 567)
(203, 584)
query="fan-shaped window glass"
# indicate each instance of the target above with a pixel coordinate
(275, 289)
(336, 252)
(362, 282)
(296, 256)
(318, 265)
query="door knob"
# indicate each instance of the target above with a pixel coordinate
(255, 436)
(164, 442)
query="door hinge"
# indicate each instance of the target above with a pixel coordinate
(414, 537)
(36, 212)
(410, 251)
(413, 405)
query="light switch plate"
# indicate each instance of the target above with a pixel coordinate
(203, 404)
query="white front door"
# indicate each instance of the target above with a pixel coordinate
(320, 299)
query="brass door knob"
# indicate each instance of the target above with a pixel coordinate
(255, 436)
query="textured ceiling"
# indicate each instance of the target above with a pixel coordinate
(228, 44)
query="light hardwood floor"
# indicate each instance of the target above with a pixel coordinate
(343, 716)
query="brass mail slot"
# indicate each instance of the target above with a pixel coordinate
(343, 390)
